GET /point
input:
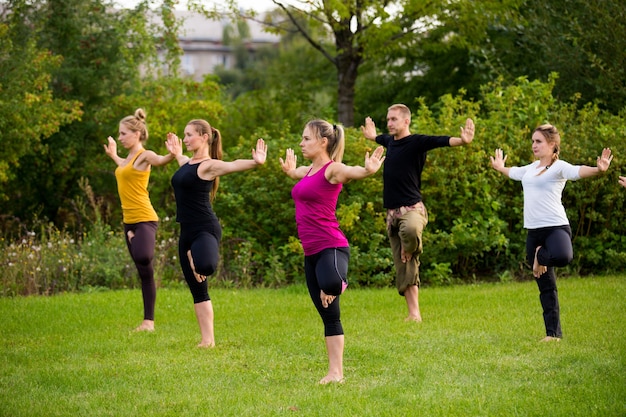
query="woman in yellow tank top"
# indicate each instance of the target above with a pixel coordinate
(140, 219)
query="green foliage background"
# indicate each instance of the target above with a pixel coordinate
(68, 78)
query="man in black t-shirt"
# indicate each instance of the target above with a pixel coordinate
(402, 178)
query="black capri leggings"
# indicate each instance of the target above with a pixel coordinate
(203, 240)
(326, 271)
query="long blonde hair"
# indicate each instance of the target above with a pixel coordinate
(215, 145)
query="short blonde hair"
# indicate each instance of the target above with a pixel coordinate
(404, 110)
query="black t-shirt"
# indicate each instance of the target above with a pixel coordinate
(193, 202)
(404, 162)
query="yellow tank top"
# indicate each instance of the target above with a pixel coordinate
(132, 186)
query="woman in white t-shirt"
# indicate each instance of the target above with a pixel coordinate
(549, 239)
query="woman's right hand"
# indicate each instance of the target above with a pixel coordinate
(111, 148)
(289, 163)
(498, 160)
(174, 145)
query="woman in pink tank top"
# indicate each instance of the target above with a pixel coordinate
(326, 249)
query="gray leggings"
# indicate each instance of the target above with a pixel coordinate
(327, 271)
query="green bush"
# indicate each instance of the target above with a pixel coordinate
(475, 229)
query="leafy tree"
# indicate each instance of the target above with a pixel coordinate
(582, 41)
(28, 109)
(350, 33)
(280, 87)
(99, 51)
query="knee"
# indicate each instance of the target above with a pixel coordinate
(563, 259)
(205, 267)
(142, 258)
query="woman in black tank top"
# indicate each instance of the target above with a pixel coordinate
(195, 184)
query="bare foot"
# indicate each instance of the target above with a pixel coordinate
(326, 299)
(328, 379)
(405, 256)
(550, 339)
(130, 235)
(538, 270)
(206, 344)
(417, 319)
(199, 277)
(145, 326)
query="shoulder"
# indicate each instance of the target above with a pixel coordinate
(384, 139)
(561, 163)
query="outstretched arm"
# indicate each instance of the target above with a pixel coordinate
(467, 134)
(369, 130)
(175, 147)
(289, 166)
(157, 160)
(498, 161)
(340, 173)
(217, 168)
(111, 150)
(604, 161)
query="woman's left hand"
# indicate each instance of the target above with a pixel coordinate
(260, 153)
(373, 162)
(604, 160)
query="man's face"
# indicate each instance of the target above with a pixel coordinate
(396, 122)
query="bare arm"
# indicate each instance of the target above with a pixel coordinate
(217, 168)
(340, 173)
(289, 166)
(157, 160)
(622, 181)
(604, 161)
(111, 150)
(498, 161)
(467, 134)
(369, 130)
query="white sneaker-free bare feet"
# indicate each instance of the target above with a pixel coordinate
(550, 339)
(206, 344)
(405, 256)
(329, 379)
(145, 326)
(199, 277)
(326, 299)
(538, 270)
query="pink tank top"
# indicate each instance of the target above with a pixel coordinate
(316, 204)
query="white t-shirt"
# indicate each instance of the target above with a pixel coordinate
(542, 193)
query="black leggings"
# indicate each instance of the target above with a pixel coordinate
(141, 250)
(203, 240)
(556, 251)
(325, 271)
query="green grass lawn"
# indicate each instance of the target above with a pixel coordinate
(476, 354)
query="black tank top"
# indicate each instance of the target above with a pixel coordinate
(193, 203)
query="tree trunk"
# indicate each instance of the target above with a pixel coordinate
(347, 71)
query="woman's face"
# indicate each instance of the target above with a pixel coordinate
(127, 137)
(310, 145)
(541, 147)
(193, 140)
